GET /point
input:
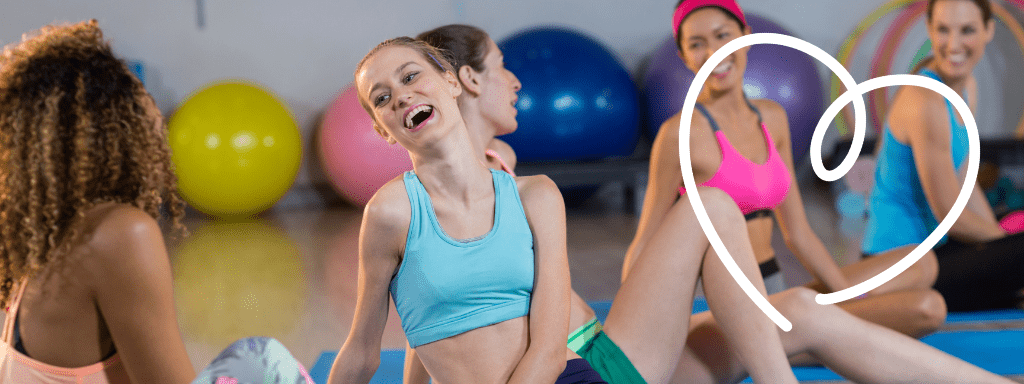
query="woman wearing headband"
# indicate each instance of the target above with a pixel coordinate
(742, 147)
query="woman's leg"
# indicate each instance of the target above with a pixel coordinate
(649, 319)
(856, 349)
(915, 313)
(906, 303)
(254, 360)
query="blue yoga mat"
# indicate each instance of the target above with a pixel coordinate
(986, 316)
(392, 362)
(998, 351)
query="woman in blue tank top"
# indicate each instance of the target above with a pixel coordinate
(922, 164)
(474, 259)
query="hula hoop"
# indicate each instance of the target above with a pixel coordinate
(882, 63)
(849, 46)
(879, 109)
(921, 54)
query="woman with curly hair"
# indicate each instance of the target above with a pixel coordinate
(85, 175)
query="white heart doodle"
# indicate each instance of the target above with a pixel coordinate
(855, 94)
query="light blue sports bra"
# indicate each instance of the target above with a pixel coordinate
(445, 287)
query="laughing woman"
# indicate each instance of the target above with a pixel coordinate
(474, 259)
(644, 335)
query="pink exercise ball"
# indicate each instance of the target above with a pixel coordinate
(355, 158)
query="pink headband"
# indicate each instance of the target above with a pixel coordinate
(688, 6)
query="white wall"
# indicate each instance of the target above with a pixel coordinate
(305, 50)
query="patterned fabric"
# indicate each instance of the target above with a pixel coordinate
(254, 360)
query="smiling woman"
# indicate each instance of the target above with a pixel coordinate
(503, 314)
(923, 153)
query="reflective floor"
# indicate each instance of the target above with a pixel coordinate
(291, 275)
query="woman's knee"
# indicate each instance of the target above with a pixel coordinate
(797, 304)
(719, 206)
(926, 270)
(930, 311)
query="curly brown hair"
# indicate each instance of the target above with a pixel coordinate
(76, 129)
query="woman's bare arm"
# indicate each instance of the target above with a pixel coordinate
(544, 359)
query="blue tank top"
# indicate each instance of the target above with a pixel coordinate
(445, 286)
(898, 211)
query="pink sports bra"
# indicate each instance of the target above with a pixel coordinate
(16, 367)
(756, 188)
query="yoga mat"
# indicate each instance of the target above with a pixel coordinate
(986, 316)
(998, 351)
(392, 362)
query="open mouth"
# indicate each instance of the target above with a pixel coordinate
(417, 116)
(957, 59)
(722, 70)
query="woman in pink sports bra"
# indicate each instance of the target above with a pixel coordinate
(743, 147)
(84, 273)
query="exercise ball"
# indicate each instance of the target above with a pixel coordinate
(665, 84)
(238, 279)
(577, 101)
(783, 74)
(356, 159)
(236, 149)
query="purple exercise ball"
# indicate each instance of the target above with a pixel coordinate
(783, 74)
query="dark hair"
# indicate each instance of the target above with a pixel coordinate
(985, 5)
(986, 15)
(467, 44)
(679, 36)
(77, 131)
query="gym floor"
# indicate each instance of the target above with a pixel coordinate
(292, 275)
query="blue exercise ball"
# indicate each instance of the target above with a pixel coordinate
(577, 101)
(665, 83)
(783, 74)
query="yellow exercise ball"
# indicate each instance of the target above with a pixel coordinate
(236, 149)
(238, 279)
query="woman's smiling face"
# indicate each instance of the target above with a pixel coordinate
(959, 34)
(702, 33)
(406, 95)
